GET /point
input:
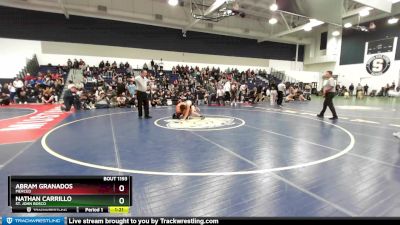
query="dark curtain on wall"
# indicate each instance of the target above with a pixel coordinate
(34, 25)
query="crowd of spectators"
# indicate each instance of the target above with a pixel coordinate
(109, 85)
(42, 88)
(113, 85)
(360, 91)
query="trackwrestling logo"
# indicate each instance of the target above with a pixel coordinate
(197, 124)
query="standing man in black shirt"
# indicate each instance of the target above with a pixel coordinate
(351, 89)
(366, 90)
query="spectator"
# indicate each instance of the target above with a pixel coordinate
(161, 64)
(12, 90)
(200, 96)
(359, 91)
(27, 79)
(242, 93)
(351, 89)
(47, 96)
(234, 93)
(82, 64)
(366, 90)
(5, 95)
(227, 90)
(101, 64)
(102, 101)
(76, 64)
(18, 84)
(259, 93)
(122, 100)
(69, 64)
(274, 93)
(131, 88)
(387, 88)
(220, 96)
(393, 86)
(71, 99)
(121, 87)
(23, 97)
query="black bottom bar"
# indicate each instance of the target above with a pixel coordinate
(60, 209)
(219, 221)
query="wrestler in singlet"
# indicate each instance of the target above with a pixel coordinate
(185, 109)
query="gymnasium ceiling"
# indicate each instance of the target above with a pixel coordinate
(252, 22)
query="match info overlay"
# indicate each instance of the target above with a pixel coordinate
(104, 221)
(72, 194)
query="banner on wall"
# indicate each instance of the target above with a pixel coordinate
(379, 56)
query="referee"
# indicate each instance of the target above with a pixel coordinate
(141, 88)
(329, 93)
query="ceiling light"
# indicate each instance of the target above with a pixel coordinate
(308, 28)
(273, 7)
(348, 25)
(273, 21)
(335, 33)
(314, 22)
(393, 20)
(364, 13)
(173, 2)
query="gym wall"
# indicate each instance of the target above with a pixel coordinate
(351, 68)
(141, 39)
(353, 41)
(15, 54)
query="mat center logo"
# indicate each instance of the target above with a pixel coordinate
(378, 65)
(197, 124)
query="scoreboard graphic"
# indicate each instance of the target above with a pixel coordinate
(73, 194)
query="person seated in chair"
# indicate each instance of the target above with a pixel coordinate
(23, 99)
(122, 100)
(346, 94)
(360, 92)
(4, 98)
(47, 96)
